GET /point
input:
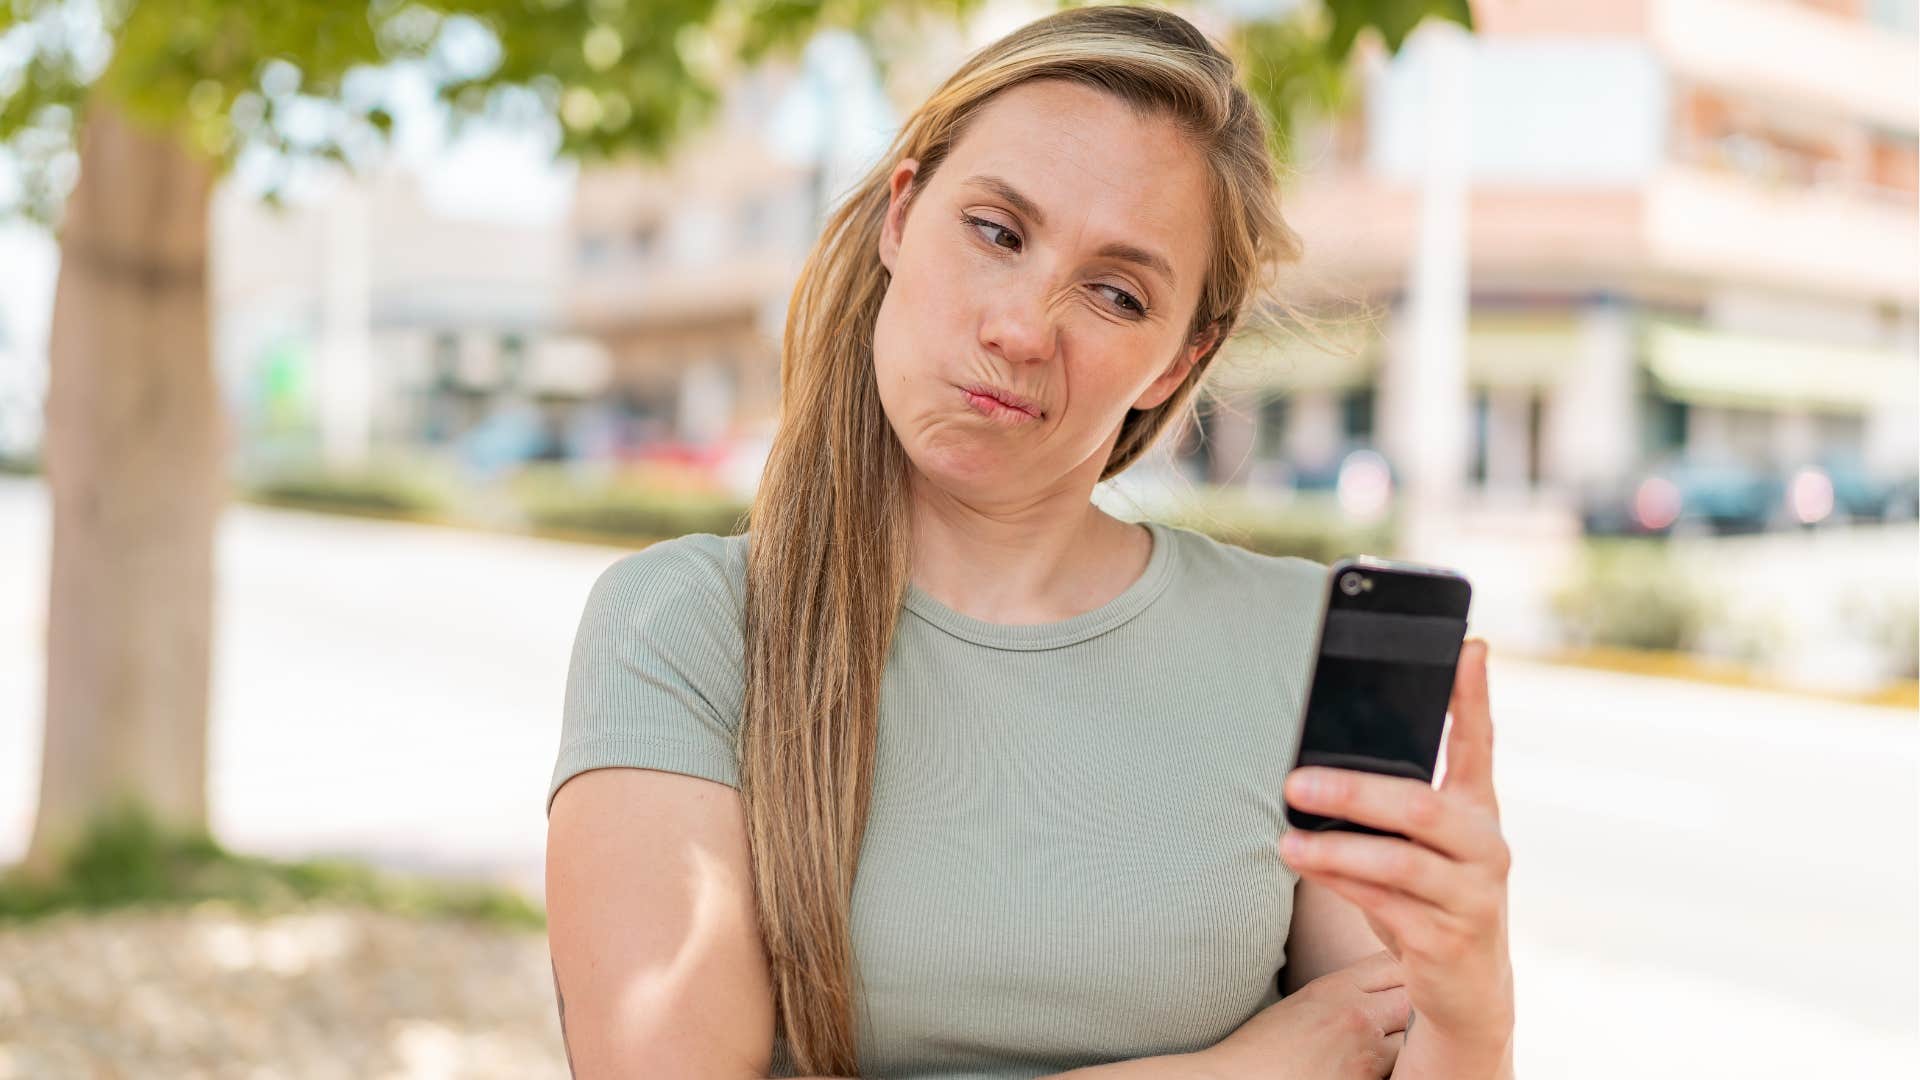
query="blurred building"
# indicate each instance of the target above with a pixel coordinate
(363, 318)
(682, 272)
(1690, 236)
(683, 268)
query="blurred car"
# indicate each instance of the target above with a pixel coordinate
(1359, 479)
(1858, 495)
(1325, 475)
(1686, 496)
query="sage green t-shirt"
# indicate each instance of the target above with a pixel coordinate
(1070, 858)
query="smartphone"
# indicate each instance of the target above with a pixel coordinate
(1382, 674)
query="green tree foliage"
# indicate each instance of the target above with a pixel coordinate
(310, 79)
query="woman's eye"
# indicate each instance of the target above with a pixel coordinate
(977, 222)
(1126, 300)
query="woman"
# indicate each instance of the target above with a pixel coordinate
(941, 772)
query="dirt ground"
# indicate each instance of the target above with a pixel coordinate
(327, 992)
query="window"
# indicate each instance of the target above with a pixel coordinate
(513, 358)
(1356, 414)
(1666, 426)
(446, 359)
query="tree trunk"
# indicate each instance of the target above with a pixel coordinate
(134, 461)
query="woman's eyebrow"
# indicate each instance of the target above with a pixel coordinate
(1031, 210)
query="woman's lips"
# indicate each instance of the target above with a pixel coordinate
(994, 409)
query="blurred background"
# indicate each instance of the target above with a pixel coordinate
(342, 345)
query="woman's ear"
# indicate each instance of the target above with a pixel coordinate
(899, 192)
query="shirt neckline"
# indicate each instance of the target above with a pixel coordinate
(1052, 635)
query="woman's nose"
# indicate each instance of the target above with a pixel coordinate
(1020, 328)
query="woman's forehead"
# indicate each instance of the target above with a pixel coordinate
(1087, 163)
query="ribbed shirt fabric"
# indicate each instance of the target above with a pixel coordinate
(1070, 855)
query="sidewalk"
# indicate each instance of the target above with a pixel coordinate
(381, 689)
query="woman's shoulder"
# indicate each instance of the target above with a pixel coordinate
(1208, 559)
(1221, 581)
(700, 574)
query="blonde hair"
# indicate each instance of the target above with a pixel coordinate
(828, 558)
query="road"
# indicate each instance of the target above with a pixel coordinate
(1707, 881)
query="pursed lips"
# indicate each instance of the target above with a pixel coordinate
(1003, 398)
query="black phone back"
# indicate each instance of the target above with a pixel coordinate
(1382, 673)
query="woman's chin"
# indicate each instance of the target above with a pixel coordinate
(967, 468)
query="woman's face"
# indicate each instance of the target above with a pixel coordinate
(1056, 256)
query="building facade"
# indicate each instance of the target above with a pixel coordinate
(1688, 235)
(363, 319)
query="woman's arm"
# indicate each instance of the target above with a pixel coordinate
(1327, 934)
(1433, 1055)
(1164, 1067)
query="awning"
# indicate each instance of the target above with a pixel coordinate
(1502, 350)
(1712, 367)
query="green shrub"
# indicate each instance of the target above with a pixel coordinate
(622, 509)
(126, 860)
(1309, 527)
(649, 504)
(1631, 594)
(398, 488)
(1892, 621)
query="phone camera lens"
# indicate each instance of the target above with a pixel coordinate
(1351, 583)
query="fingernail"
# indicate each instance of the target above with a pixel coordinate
(1306, 785)
(1291, 843)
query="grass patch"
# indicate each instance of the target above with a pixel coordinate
(126, 860)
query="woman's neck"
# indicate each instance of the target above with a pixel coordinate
(1039, 563)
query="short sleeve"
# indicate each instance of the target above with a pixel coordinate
(656, 674)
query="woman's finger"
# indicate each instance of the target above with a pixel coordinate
(1470, 735)
(1388, 1009)
(1388, 862)
(1395, 803)
(1374, 972)
(1390, 1047)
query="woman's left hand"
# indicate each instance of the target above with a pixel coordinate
(1438, 899)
